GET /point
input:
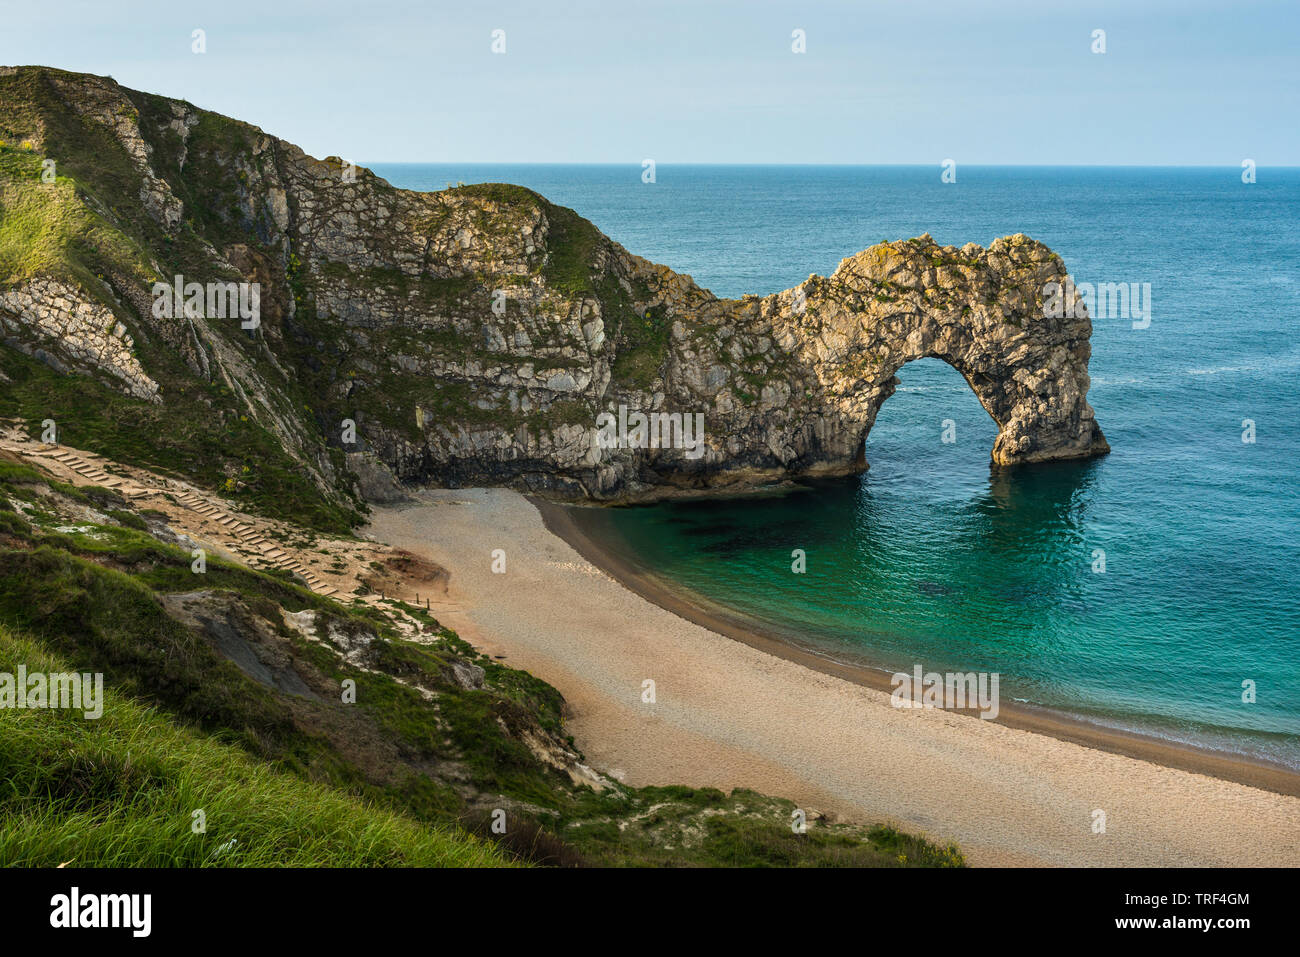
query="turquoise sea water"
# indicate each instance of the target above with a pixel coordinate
(935, 557)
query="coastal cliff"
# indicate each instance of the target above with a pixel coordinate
(470, 336)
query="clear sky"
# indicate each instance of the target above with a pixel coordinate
(1182, 82)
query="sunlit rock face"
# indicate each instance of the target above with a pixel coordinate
(979, 310)
(790, 384)
(481, 335)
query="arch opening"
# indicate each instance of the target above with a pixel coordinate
(932, 422)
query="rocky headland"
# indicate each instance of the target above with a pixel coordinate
(473, 336)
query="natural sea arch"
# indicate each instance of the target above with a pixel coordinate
(842, 340)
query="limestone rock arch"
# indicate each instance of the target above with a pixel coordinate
(979, 310)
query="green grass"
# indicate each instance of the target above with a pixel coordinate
(44, 227)
(505, 193)
(210, 447)
(476, 728)
(644, 350)
(121, 791)
(128, 519)
(109, 622)
(109, 619)
(642, 338)
(48, 228)
(703, 827)
(440, 758)
(571, 245)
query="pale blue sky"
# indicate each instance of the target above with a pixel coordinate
(1183, 82)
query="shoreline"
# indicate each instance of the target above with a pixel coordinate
(1237, 768)
(728, 715)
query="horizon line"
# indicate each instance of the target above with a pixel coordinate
(635, 164)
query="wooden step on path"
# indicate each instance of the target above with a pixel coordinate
(274, 557)
(85, 469)
(254, 542)
(249, 538)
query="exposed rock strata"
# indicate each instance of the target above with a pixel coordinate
(474, 335)
(49, 318)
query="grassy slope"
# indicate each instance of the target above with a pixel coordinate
(197, 434)
(121, 791)
(89, 596)
(44, 226)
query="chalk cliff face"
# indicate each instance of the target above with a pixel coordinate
(476, 335)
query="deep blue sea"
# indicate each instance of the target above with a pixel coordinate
(934, 557)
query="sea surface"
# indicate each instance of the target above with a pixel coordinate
(935, 557)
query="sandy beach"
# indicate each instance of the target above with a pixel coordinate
(734, 709)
